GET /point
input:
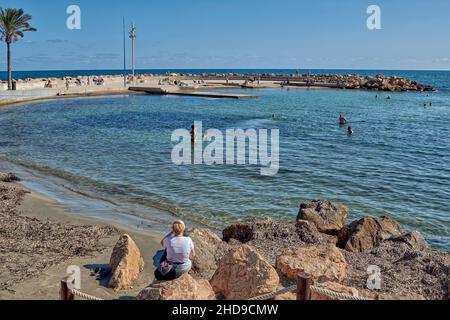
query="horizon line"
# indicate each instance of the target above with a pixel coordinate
(239, 68)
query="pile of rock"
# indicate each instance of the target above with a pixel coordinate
(383, 83)
(184, 288)
(378, 83)
(261, 256)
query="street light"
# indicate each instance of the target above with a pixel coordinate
(133, 37)
(124, 56)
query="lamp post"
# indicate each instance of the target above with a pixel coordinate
(133, 37)
(124, 56)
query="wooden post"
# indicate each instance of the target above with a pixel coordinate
(64, 291)
(304, 283)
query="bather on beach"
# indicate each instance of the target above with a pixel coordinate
(178, 252)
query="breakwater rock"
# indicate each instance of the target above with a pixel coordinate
(261, 256)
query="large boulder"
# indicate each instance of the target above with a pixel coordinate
(247, 230)
(269, 237)
(413, 239)
(125, 264)
(183, 288)
(209, 249)
(324, 263)
(327, 216)
(367, 233)
(244, 274)
(308, 233)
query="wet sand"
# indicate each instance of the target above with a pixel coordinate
(46, 284)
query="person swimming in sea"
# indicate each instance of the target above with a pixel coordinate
(350, 130)
(342, 120)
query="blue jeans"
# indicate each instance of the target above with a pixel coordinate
(173, 274)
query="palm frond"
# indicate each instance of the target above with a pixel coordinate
(13, 24)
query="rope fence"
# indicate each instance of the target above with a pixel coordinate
(67, 293)
(84, 296)
(304, 288)
(336, 295)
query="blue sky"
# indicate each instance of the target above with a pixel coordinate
(236, 34)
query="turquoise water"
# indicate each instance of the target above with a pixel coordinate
(119, 148)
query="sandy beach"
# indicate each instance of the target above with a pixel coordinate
(45, 284)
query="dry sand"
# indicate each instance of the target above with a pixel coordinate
(45, 285)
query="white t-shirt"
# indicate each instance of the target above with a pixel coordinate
(179, 250)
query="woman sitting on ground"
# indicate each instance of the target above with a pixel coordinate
(176, 259)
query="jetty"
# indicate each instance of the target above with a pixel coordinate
(191, 93)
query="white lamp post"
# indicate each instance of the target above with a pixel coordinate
(133, 37)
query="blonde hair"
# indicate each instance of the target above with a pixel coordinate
(178, 228)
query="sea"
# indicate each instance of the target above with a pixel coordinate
(110, 157)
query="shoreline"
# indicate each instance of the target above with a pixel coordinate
(85, 203)
(46, 284)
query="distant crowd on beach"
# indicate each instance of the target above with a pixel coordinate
(78, 82)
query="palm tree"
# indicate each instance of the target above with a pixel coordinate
(13, 23)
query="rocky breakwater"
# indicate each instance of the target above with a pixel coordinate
(377, 83)
(383, 83)
(261, 256)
